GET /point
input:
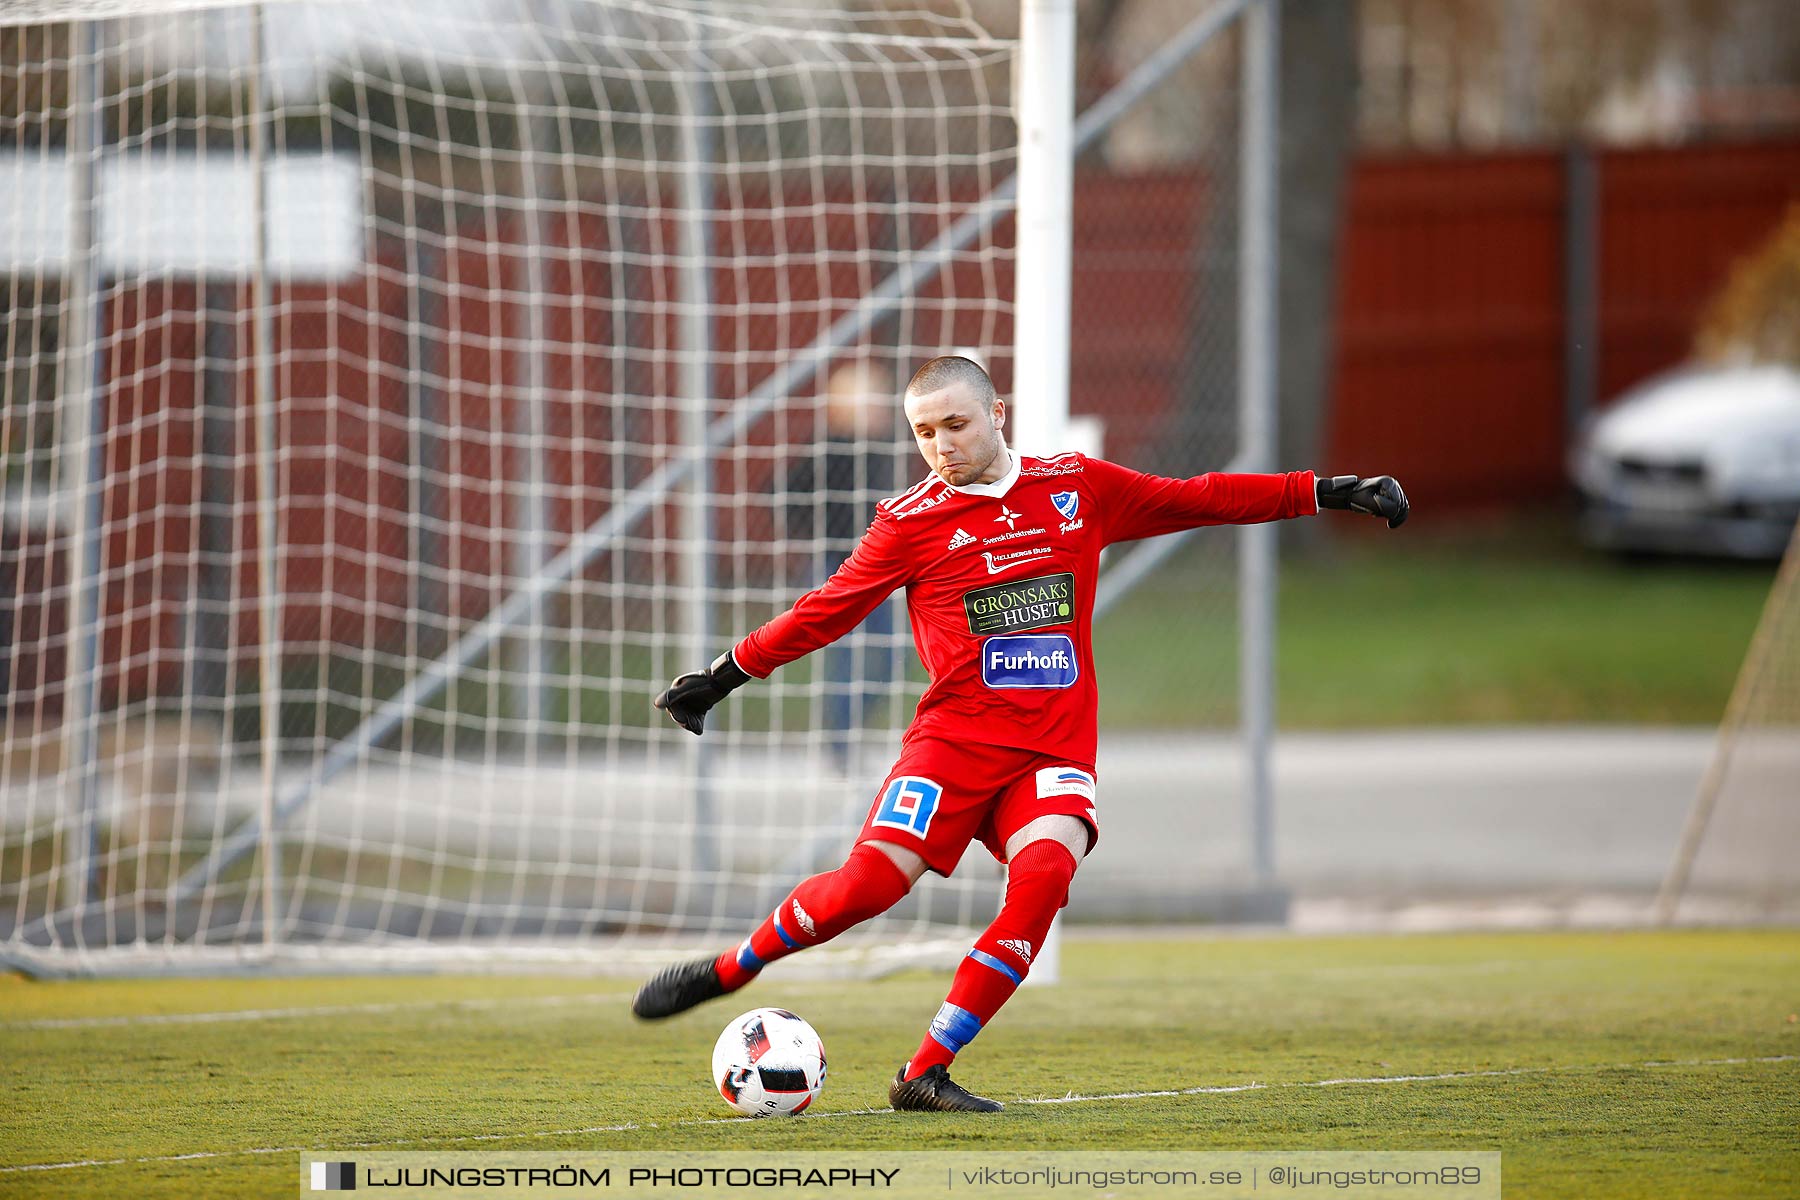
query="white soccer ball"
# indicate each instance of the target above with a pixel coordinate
(769, 1063)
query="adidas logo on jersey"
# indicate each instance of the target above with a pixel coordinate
(1018, 946)
(961, 539)
(806, 922)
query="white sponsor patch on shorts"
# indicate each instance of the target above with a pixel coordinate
(1065, 781)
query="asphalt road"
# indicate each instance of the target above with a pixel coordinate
(1513, 824)
(1406, 829)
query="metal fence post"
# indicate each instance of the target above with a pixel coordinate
(1257, 399)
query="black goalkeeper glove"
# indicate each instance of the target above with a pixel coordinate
(691, 696)
(1379, 496)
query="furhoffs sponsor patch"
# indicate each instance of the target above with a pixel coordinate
(1016, 607)
(1014, 661)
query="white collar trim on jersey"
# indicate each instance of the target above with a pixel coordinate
(999, 487)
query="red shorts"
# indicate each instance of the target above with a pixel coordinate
(939, 797)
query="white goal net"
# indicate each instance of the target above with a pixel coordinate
(396, 397)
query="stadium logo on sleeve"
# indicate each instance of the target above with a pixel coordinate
(1028, 661)
(919, 499)
(909, 803)
(1065, 781)
(334, 1177)
(1016, 607)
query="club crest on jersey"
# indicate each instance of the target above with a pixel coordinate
(960, 539)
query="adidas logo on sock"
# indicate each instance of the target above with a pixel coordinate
(805, 921)
(961, 539)
(1018, 946)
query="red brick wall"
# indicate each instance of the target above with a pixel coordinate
(1450, 345)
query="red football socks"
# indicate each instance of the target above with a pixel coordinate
(820, 908)
(1037, 885)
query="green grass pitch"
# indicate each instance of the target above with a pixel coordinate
(1600, 1064)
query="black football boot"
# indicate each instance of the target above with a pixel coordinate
(935, 1091)
(678, 988)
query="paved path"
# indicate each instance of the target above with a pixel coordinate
(1388, 820)
(1385, 829)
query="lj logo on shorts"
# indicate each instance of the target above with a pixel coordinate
(1027, 661)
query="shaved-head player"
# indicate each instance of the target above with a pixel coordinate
(998, 554)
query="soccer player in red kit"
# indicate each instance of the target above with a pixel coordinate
(998, 554)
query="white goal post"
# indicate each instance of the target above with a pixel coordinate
(398, 395)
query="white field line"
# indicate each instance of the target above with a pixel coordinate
(1071, 1098)
(325, 1010)
(479, 1003)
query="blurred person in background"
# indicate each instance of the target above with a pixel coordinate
(862, 460)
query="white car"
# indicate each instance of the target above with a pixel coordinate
(1702, 460)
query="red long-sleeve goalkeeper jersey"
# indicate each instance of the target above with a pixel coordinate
(999, 581)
